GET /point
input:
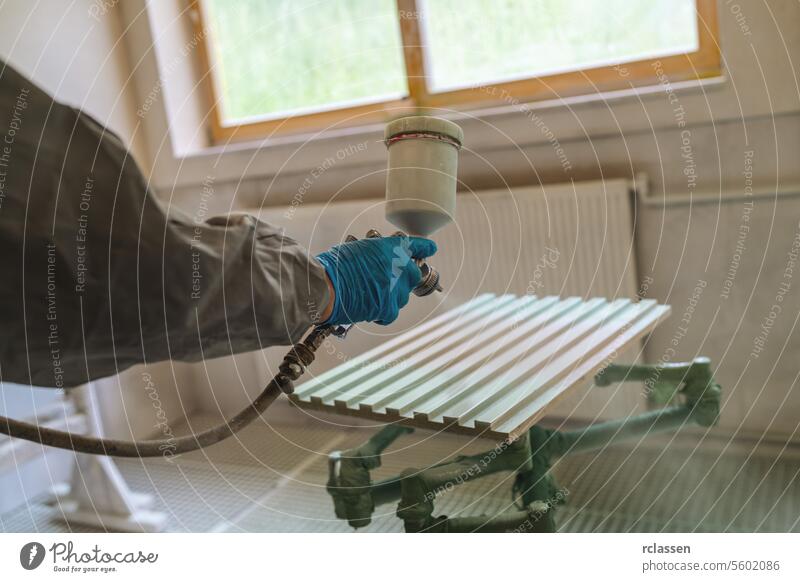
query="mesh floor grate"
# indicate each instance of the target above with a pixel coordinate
(273, 479)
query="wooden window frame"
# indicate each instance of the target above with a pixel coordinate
(705, 62)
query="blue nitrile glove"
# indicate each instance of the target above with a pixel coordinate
(373, 277)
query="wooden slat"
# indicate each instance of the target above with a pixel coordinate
(510, 397)
(528, 351)
(373, 391)
(338, 389)
(414, 384)
(490, 367)
(515, 426)
(445, 380)
(413, 51)
(438, 323)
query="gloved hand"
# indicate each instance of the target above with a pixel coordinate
(373, 277)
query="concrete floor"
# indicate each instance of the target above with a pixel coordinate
(272, 478)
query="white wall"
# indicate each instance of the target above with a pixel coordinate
(726, 268)
(77, 55)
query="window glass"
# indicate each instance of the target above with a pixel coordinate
(473, 42)
(274, 58)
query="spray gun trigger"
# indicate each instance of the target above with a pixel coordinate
(340, 331)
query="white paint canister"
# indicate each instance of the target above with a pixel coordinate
(421, 176)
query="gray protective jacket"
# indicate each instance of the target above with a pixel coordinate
(97, 278)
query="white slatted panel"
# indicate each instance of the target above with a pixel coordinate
(490, 367)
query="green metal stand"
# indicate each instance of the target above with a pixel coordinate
(355, 496)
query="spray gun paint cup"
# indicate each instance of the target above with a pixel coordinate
(421, 177)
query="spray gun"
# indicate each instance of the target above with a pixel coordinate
(420, 184)
(420, 199)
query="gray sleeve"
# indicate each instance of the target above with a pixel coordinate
(238, 284)
(99, 277)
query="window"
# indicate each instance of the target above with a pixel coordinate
(290, 65)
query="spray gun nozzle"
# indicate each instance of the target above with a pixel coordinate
(429, 282)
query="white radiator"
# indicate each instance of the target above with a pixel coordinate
(570, 240)
(573, 239)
